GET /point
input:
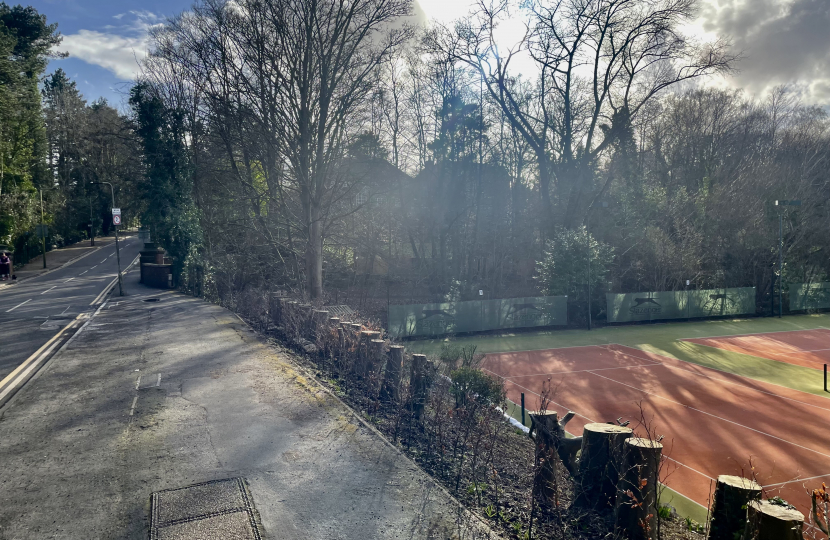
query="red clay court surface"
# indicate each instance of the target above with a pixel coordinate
(807, 348)
(712, 421)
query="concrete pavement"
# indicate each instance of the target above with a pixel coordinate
(156, 395)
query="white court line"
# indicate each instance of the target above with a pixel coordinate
(47, 290)
(132, 409)
(582, 370)
(714, 416)
(731, 382)
(753, 334)
(546, 349)
(18, 305)
(138, 382)
(796, 480)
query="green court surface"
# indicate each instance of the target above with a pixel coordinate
(664, 339)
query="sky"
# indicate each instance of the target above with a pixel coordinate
(781, 41)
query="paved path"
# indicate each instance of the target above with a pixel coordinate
(160, 395)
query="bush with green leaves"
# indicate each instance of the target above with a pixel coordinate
(473, 385)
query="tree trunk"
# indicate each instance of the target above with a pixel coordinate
(767, 521)
(732, 495)
(602, 450)
(392, 376)
(314, 253)
(636, 502)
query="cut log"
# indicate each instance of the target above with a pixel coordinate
(767, 521)
(729, 506)
(392, 375)
(418, 384)
(599, 462)
(635, 510)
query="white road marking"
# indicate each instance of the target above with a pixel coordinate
(138, 382)
(102, 262)
(18, 305)
(47, 290)
(92, 268)
(158, 382)
(84, 272)
(132, 409)
(67, 307)
(70, 279)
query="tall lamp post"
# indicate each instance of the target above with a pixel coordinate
(117, 251)
(779, 204)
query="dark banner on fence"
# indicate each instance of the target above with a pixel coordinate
(477, 316)
(806, 296)
(653, 306)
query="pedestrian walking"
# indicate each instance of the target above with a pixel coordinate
(5, 266)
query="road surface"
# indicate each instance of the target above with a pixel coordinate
(34, 310)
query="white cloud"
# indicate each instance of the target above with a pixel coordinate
(118, 49)
(119, 54)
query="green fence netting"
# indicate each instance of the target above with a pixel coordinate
(653, 306)
(807, 296)
(476, 316)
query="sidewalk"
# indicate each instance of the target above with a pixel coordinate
(57, 258)
(162, 395)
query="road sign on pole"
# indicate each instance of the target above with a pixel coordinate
(116, 219)
(116, 211)
(42, 231)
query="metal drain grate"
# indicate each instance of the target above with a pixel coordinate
(216, 509)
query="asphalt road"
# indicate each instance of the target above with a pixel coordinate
(34, 310)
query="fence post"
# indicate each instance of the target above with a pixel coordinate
(635, 512)
(729, 506)
(602, 450)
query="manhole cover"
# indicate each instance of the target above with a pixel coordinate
(152, 299)
(217, 509)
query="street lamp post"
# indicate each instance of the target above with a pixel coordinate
(781, 203)
(117, 251)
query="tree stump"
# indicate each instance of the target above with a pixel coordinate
(767, 521)
(376, 355)
(392, 376)
(544, 424)
(418, 384)
(635, 510)
(602, 451)
(729, 506)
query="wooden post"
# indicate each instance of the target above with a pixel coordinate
(318, 326)
(418, 384)
(635, 512)
(767, 521)
(602, 450)
(392, 376)
(729, 506)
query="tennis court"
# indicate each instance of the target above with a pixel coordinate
(713, 422)
(806, 348)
